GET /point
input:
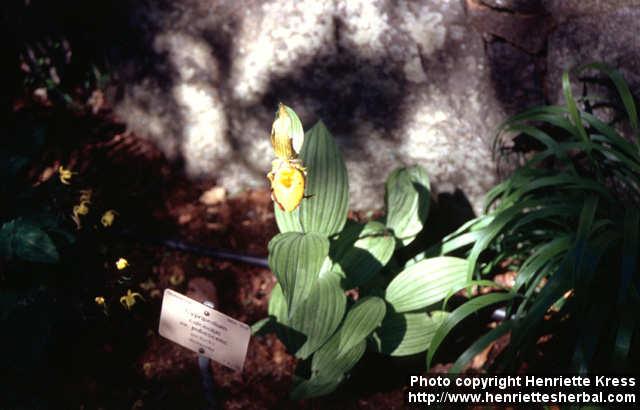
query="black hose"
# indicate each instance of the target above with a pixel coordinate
(200, 250)
(216, 253)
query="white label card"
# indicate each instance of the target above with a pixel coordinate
(204, 330)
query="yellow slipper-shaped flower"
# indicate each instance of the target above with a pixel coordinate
(287, 186)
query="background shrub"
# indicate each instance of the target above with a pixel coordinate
(568, 220)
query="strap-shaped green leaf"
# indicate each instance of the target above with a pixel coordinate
(407, 198)
(404, 334)
(362, 319)
(479, 345)
(462, 312)
(296, 260)
(629, 269)
(362, 259)
(622, 88)
(426, 282)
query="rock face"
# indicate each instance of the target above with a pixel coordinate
(565, 9)
(610, 37)
(397, 82)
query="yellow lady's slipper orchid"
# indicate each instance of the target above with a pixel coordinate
(288, 175)
(121, 263)
(65, 175)
(108, 217)
(129, 299)
(287, 185)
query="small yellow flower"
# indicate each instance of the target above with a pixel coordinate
(108, 217)
(176, 279)
(99, 300)
(121, 263)
(65, 175)
(80, 209)
(129, 299)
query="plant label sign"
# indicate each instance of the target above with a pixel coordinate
(204, 330)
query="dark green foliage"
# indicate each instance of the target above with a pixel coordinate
(25, 240)
(407, 200)
(569, 219)
(319, 255)
(296, 259)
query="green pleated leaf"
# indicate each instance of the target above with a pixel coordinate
(296, 260)
(407, 198)
(363, 258)
(287, 221)
(315, 387)
(278, 305)
(292, 339)
(404, 334)
(325, 209)
(316, 319)
(320, 315)
(362, 319)
(459, 314)
(426, 282)
(25, 240)
(328, 367)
